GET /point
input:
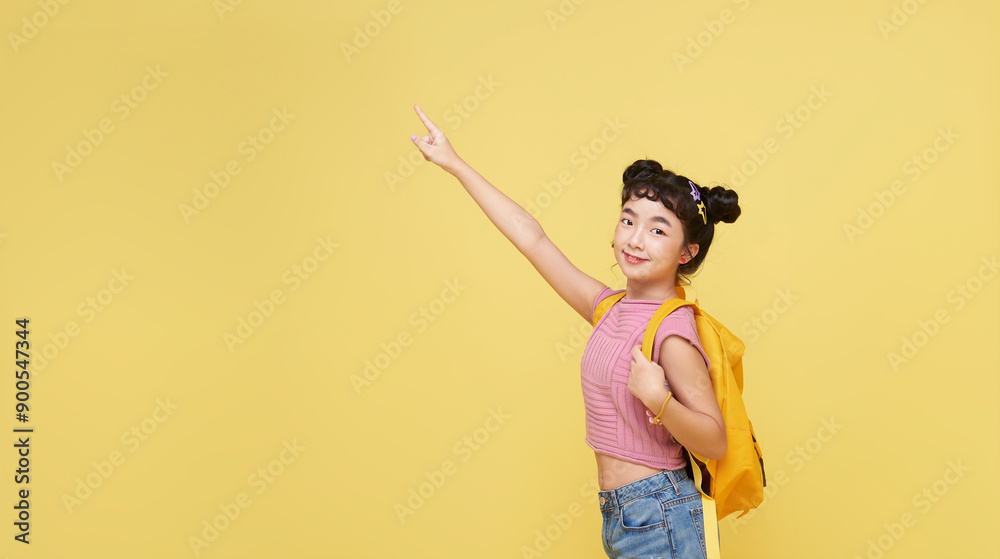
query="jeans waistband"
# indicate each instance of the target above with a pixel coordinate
(663, 479)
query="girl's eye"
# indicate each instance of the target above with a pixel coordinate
(628, 221)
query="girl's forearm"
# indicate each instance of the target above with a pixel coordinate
(695, 431)
(519, 226)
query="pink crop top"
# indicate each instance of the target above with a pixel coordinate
(616, 421)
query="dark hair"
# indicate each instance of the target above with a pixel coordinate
(647, 178)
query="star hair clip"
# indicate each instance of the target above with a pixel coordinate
(696, 194)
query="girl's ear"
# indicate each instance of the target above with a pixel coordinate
(693, 250)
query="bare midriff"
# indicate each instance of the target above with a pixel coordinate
(613, 473)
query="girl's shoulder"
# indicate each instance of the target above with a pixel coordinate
(604, 294)
(680, 322)
(681, 318)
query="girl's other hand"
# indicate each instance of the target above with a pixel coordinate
(434, 145)
(646, 380)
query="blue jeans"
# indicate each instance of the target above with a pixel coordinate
(656, 517)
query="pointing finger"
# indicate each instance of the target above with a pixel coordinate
(423, 118)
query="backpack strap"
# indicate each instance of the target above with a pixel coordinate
(665, 309)
(604, 305)
(654, 323)
(610, 300)
(713, 540)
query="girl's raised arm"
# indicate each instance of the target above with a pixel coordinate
(521, 228)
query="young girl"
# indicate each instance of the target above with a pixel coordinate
(639, 413)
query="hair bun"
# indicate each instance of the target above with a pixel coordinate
(723, 204)
(642, 168)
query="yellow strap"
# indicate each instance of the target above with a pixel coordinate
(604, 305)
(708, 514)
(654, 323)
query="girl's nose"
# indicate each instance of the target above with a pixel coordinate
(635, 240)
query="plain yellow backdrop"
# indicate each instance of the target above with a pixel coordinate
(262, 326)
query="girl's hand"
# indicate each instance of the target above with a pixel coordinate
(646, 380)
(434, 146)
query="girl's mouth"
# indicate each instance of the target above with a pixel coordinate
(632, 260)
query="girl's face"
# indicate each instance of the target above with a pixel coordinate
(650, 232)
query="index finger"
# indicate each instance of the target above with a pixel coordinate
(423, 118)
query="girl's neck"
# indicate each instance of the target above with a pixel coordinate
(649, 293)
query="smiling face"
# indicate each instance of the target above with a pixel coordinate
(651, 233)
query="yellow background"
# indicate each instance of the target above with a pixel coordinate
(506, 343)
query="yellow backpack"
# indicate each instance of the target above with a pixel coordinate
(736, 481)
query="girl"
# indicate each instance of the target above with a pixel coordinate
(640, 413)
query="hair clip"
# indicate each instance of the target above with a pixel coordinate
(696, 194)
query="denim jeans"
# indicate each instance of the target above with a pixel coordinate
(656, 517)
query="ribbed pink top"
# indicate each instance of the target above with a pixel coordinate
(617, 424)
